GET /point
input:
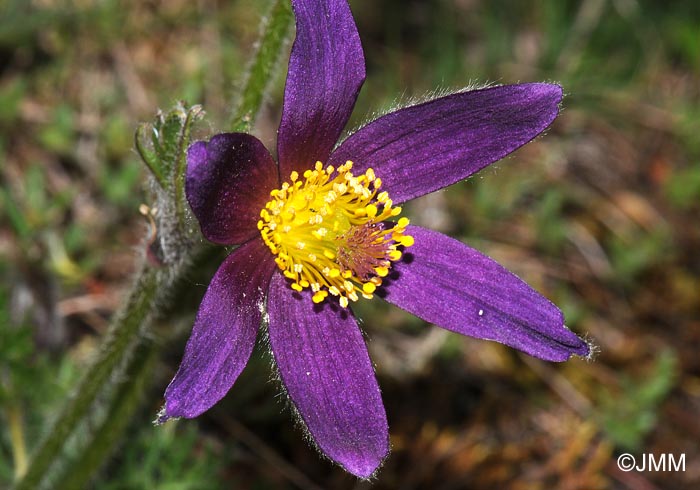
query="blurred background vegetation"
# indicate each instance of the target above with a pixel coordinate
(600, 215)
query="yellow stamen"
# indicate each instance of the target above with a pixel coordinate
(328, 232)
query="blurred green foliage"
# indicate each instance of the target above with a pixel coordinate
(31, 382)
(629, 416)
(174, 458)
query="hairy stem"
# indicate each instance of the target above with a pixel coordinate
(124, 330)
(274, 32)
(124, 403)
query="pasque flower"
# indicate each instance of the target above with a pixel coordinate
(321, 228)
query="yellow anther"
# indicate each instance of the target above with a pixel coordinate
(406, 240)
(369, 287)
(319, 296)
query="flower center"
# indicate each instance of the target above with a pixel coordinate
(328, 234)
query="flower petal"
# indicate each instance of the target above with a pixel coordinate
(325, 367)
(444, 282)
(224, 332)
(228, 182)
(426, 147)
(326, 71)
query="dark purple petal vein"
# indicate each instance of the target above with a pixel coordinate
(444, 282)
(228, 182)
(326, 71)
(325, 367)
(224, 332)
(423, 148)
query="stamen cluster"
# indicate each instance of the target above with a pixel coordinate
(329, 234)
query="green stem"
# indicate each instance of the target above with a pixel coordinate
(274, 32)
(125, 402)
(131, 319)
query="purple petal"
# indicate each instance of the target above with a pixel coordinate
(426, 147)
(324, 365)
(224, 332)
(228, 182)
(444, 282)
(326, 71)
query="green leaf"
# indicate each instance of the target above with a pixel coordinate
(146, 151)
(167, 132)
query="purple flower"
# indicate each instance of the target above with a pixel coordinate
(320, 229)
